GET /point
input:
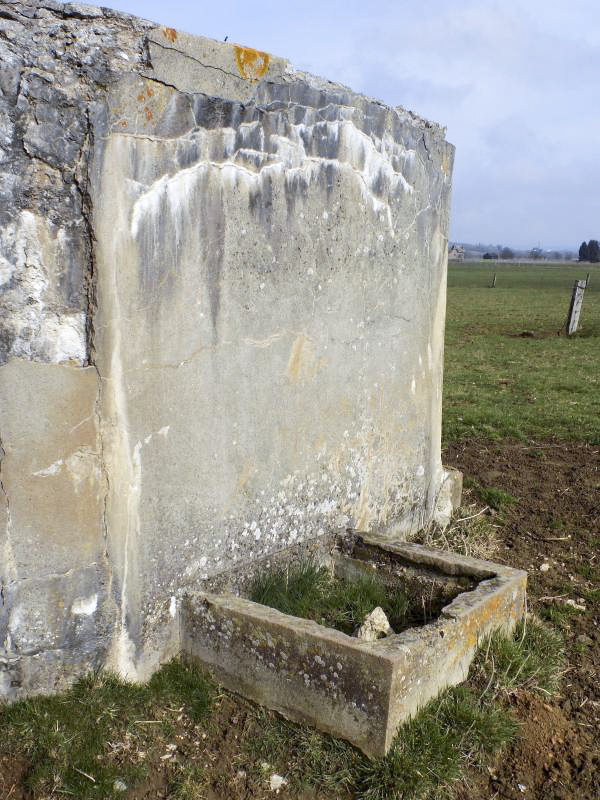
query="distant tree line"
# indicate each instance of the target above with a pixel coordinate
(590, 251)
(502, 253)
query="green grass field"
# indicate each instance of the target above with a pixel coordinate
(498, 384)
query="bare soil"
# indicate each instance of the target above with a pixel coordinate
(555, 521)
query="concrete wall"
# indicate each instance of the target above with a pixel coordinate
(243, 349)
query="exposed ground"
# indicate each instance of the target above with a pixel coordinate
(554, 521)
(522, 420)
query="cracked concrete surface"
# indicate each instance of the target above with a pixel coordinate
(222, 298)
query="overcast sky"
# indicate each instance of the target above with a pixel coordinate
(516, 83)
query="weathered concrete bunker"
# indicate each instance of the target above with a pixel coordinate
(223, 295)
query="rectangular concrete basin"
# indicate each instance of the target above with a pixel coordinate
(356, 690)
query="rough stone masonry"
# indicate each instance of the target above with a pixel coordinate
(222, 289)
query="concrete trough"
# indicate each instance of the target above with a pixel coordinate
(356, 690)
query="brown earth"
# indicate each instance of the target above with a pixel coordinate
(556, 521)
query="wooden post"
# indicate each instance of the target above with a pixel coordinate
(493, 286)
(587, 280)
(575, 307)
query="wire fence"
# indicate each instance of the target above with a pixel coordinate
(522, 275)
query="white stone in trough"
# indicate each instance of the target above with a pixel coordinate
(375, 626)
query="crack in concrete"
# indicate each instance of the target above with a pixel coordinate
(197, 60)
(52, 575)
(152, 77)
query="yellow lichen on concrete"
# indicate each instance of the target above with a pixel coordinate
(252, 64)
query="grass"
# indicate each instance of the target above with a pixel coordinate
(80, 742)
(560, 615)
(591, 595)
(429, 754)
(497, 384)
(66, 737)
(532, 659)
(588, 571)
(463, 727)
(309, 591)
(495, 498)
(470, 533)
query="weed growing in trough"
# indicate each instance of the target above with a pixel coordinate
(310, 591)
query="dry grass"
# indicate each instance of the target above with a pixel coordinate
(470, 533)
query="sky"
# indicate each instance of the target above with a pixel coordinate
(516, 83)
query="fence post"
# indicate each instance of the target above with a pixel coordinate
(575, 307)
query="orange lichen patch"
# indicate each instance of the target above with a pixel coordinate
(252, 64)
(141, 97)
(148, 113)
(170, 34)
(149, 91)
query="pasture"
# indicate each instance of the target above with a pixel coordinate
(500, 383)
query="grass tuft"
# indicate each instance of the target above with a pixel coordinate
(497, 499)
(469, 533)
(533, 659)
(66, 736)
(432, 751)
(183, 684)
(560, 615)
(188, 784)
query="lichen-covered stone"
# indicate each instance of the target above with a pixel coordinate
(361, 690)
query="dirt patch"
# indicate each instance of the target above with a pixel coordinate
(552, 531)
(13, 769)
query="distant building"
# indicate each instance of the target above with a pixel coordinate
(456, 252)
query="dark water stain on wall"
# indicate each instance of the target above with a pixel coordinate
(212, 240)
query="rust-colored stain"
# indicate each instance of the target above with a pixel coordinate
(248, 470)
(149, 91)
(252, 64)
(123, 123)
(148, 113)
(296, 357)
(141, 97)
(170, 34)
